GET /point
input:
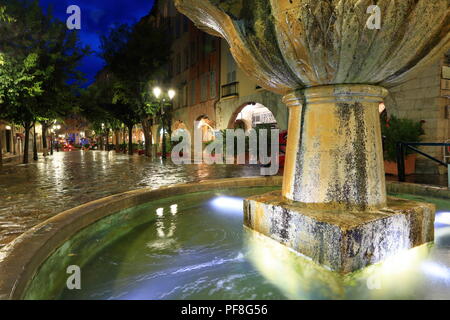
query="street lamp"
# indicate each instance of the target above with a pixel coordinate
(52, 132)
(171, 94)
(157, 92)
(54, 128)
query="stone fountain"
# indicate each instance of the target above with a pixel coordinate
(333, 70)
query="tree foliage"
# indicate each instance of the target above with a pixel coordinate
(136, 57)
(396, 130)
(39, 58)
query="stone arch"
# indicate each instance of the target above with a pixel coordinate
(207, 126)
(177, 125)
(247, 123)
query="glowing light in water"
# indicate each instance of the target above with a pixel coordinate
(228, 204)
(436, 270)
(295, 275)
(174, 209)
(160, 212)
(443, 217)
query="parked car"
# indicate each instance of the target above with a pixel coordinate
(68, 147)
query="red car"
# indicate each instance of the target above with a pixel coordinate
(68, 147)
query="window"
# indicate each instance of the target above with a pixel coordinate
(193, 53)
(184, 102)
(182, 96)
(174, 27)
(231, 74)
(192, 93)
(178, 26)
(185, 24)
(186, 58)
(212, 85)
(178, 66)
(204, 87)
(209, 44)
(170, 68)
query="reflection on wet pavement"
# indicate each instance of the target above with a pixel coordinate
(30, 194)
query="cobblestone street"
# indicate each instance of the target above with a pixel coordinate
(30, 194)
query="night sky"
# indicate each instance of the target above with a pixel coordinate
(97, 16)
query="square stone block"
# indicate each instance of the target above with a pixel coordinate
(341, 241)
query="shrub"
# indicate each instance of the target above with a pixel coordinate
(396, 130)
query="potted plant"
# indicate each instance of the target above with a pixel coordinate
(396, 130)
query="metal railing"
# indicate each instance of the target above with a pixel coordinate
(401, 151)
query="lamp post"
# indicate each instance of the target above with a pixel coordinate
(53, 130)
(104, 135)
(157, 92)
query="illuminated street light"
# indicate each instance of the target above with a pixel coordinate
(157, 92)
(172, 94)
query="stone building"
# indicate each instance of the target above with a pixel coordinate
(242, 102)
(427, 98)
(194, 71)
(210, 87)
(13, 138)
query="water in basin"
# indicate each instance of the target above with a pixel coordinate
(195, 247)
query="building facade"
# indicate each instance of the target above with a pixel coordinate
(242, 102)
(194, 71)
(13, 138)
(211, 89)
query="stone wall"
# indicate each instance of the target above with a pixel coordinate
(421, 99)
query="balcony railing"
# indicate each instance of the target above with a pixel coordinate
(230, 90)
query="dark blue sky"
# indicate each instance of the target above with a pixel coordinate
(97, 16)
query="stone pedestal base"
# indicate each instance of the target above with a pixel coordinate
(341, 241)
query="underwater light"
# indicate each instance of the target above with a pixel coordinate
(443, 217)
(160, 212)
(174, 209)
(228, 203)
(436, 270)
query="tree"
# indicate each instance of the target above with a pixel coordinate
(62, 87)
(109, 100)
(41, 55)
(137, 57)
(20, 83)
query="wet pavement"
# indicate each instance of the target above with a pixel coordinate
(30, 194)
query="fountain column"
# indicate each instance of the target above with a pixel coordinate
(334, 157)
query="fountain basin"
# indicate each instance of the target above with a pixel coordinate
(111, 238)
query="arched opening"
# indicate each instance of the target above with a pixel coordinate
(178, 125)
(252, 115)
(207, 127)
